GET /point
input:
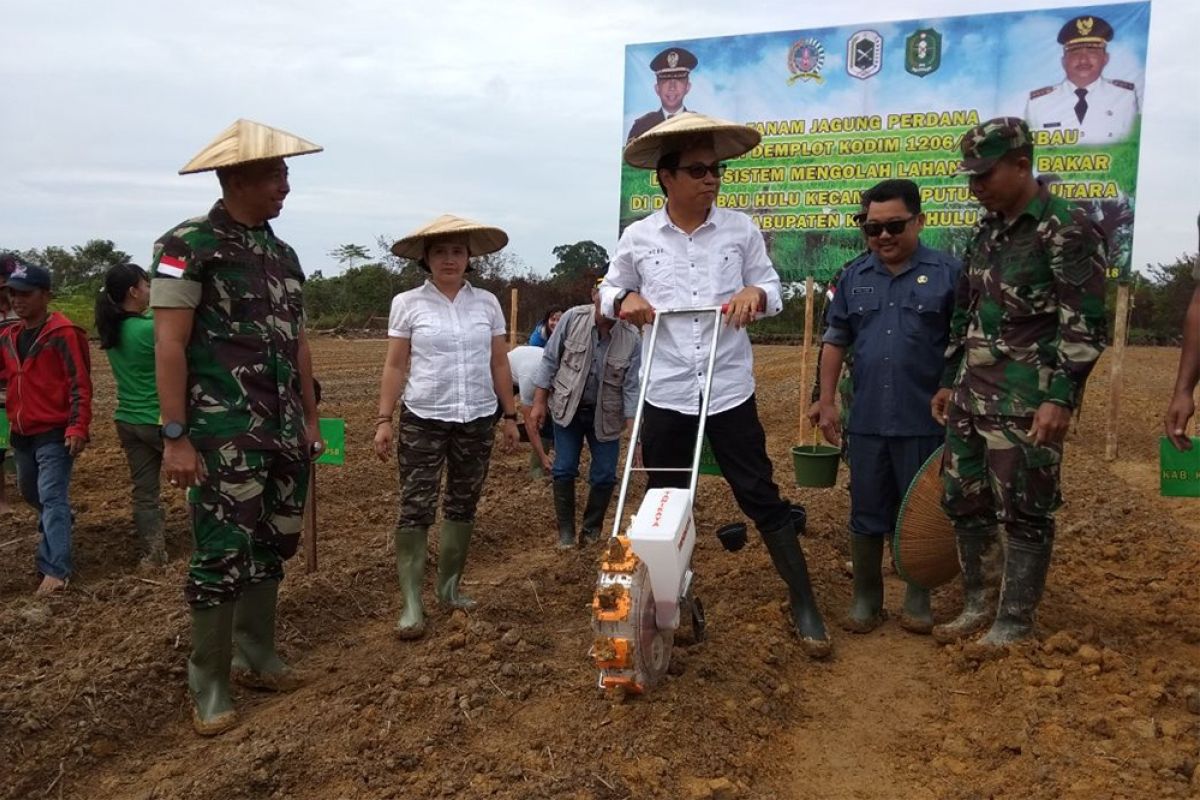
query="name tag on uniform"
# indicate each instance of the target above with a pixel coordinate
(862, 290)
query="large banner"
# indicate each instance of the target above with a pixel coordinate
(843, 108)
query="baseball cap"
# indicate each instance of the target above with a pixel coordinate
(987, 142)
(27, 277)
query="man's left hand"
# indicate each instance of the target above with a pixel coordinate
(742, 307)
(75, 445)
(312, 436)
(1050, 424)
(511, 437)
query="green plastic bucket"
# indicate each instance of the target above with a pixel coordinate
(816, 465)
(1179, 472)
(708, 462)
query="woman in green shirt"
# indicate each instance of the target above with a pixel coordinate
(127, 338)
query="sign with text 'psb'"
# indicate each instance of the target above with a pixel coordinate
(841, 109)
(333, 431)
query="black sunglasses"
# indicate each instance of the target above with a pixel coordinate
(698, 171)
(895, 227)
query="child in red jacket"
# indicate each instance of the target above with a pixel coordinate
(46, 363)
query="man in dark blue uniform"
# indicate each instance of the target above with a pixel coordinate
(893, 307)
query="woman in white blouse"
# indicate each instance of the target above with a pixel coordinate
(448, 363)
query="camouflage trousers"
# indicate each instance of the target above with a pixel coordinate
(246, 520)
(423, 448)
(992, 471)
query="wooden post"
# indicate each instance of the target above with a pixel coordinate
(805, 391)
(1120, 333)
(310, 522)
(512, 325)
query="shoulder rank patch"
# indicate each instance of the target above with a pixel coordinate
(1124, 84)
(1042, 92)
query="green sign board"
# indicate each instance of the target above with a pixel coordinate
(1179, 471)
(333, 431)
(3, 429)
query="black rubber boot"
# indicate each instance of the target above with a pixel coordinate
(975, 552)
(917, 616)
(564, 510)
(208, 669)
(1025, 567)
(866, 608)
(789, 562)
(593, 513)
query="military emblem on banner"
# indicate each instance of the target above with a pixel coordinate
(864, 54)
(923, 52)
(805, 60)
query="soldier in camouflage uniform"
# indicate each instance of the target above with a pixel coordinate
(235, 384)
(1028, 326)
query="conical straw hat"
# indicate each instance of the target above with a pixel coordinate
(245, 141)
(730, 139)
(481, 239)
(924, 546)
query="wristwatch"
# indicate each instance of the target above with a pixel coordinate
(512, 416)
(620, 298)
(173, 431)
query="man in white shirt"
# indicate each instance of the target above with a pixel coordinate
(672, 80)
(692, 254)
(1102, 110)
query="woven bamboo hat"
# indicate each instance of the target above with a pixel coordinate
(730, 139)
(481, 239)
(246, 141)
(924, 546)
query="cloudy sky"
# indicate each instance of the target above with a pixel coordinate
(507, 112)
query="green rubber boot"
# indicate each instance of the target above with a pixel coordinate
(866, 607)
(208, 669)
(151, 544)
(255, 662)
(1025, 567)
(452, 558)
(917, 616)
(410, 567)
(593, 513)
(564, 512)
(976, 552)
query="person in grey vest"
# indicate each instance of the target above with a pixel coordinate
(588, 384)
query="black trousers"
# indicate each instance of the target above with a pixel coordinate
(739, 445)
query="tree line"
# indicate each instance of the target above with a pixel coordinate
(361, 294)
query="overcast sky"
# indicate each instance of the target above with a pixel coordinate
(507, 112)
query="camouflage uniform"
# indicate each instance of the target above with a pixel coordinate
(245, 415)
(1028, 327)
(423, 448)
(845, 384)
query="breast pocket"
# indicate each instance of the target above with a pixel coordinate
(727, 278)
(923, 316)
(658, 279)
(861, 307)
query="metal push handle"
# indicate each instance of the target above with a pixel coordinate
(717, 312)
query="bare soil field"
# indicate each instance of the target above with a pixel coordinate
(502, 703)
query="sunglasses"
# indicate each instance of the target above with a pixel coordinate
(894, 227)
(698, 171)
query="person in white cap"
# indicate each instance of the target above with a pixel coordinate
(447, 365)
(693, 254)
(239, 419)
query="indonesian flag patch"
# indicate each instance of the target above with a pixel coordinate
(170, 267)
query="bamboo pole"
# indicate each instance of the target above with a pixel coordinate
(805, 389)
(1120, 333)
(310, 522)
(512, 316)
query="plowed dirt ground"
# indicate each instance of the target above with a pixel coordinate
(502, 702)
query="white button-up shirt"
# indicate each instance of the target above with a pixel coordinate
(450, 365)
(1111, 111)
(673, 269)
